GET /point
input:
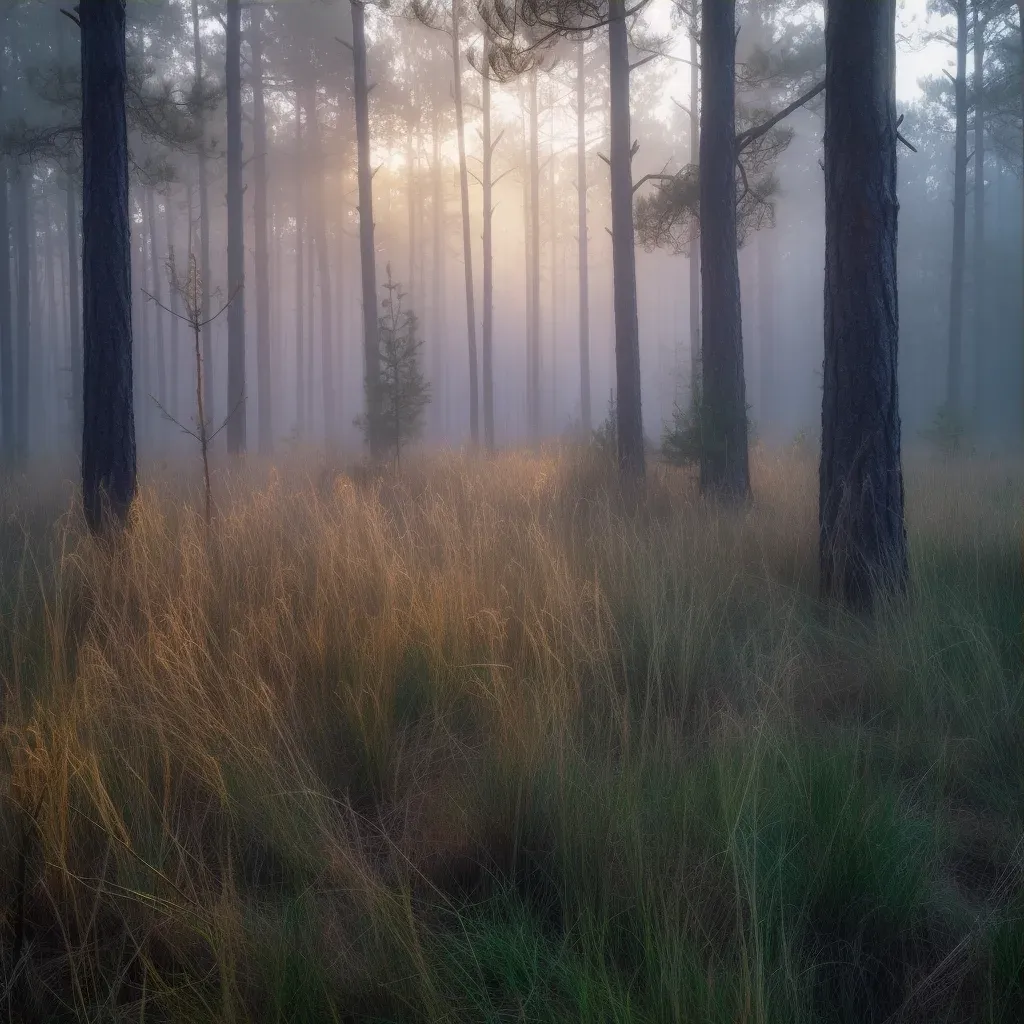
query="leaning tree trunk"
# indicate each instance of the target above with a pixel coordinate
(367, 255)
(467, 242)
(695, 244)
(954, 367)
(584, 257)
(324, 271)
(108, 435)
(862, 531)
(264, 421)
(204, 231)
(236, 428)
(629, 418)
(488, 335)
(724, 464)
(979, 207)
(23, 246)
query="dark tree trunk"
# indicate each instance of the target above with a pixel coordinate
(23, 246)
(862, 532)
(173, 354)
(367, 253)
(488, 335)
(724, 465)
(204, 236)
(264, 430)
(236, 428)
(979, 207)
(695, 346)
(533, 250)
(324, 271)
(156, 290)
(300, 269)
(6, 325)
(584, 255)
(629, 416)
(467, 242)
(108, 435)
(954, 368)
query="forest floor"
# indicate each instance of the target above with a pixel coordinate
(479, 743)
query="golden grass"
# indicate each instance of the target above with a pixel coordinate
(295, 732)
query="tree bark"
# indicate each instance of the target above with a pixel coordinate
(236, 428)
(204, 233)
(863, 544)
(108, 435)
(724, 464)
(367, 253)
(467, 242)
(264, 429)
(584, 255)
(954, 367)
(488, 255)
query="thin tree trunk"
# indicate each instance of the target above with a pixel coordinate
(695, 317)
(979, 208)
(724, 466)
(204, 234)
(767, 256)
(954, 368)
(265, 434)
(156, 290)
(236, 428)
(531, 351)
(22, 199)
(488, 255)
(6, 333)
(862, 531)
(310, 323)
(438, 349)
(584, 258)
(108, 436)
(367, 252)
(467, 243)
(534, 401)
(553, 280)
(300, 267)
(324, 270)
(173, 361)
(629, 415)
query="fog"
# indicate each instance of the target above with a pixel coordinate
(307, 73)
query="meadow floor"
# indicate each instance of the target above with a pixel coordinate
(478, 743)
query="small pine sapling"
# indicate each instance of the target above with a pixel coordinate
(401, 392)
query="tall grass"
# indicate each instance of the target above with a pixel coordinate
(486, 742)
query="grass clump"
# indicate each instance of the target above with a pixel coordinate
(483, 741)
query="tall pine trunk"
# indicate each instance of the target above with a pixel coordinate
(862, 531)
(533, 250)
(979, 207)
(488, 255)
(467, 241)
(367, 253)
(7, 417)
(954, 367)
(724, 461)
(629, 416)
(204, 232)
(583, 242)
(156, 290)
(264, 428)
(23, 246)
(767, 257)
(108, 435)
(173, 354)
(323, 260)
(439, 353)
(695, 346)
(300, 269)
(236, 428)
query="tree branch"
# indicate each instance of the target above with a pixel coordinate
(751, 135)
